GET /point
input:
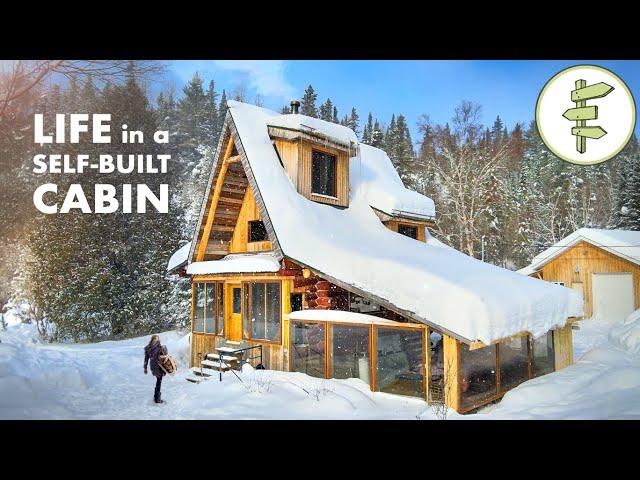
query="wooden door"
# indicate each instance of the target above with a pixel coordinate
(234, 312)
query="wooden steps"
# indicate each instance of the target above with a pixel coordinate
(212, 363)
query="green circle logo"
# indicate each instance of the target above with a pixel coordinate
(585, 114)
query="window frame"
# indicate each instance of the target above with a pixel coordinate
(249, 230)
(246, 304)
(499, 390)
(219, 290)
(373, 349)
(406, 225)
(335, 173)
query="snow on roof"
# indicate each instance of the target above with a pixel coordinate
(343, 317)
(236, 263)
(312, 126)
(383, 189)
(179, 257)
(441, 286)
(623, 243)
(528, 270)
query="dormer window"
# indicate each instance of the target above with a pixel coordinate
(323, 174)
(408, 231)
(257, 231)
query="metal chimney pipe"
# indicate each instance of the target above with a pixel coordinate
(295, 106)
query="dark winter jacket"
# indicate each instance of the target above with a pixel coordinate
(151, 353)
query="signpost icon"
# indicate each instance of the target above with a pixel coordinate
(582, 112)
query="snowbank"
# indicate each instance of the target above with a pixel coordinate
(236, 263)
(450, 290)
(627, 334)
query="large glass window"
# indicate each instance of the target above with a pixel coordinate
(400, 367)
(307, 349)
(323, 174)
(350, 352)
(210, 309)
(514, 362)
(262, 311)
(198, 310)
(477, 375)
(543, 357)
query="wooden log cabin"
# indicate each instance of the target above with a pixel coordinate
(309, 247)
(603, 265)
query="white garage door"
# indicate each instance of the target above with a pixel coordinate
(612, 295)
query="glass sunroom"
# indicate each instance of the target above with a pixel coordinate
(389, 356)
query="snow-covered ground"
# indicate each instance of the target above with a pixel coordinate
(105, 381)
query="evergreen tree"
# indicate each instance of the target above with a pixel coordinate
(353, 121)
(326, 110)
(626, 214)
(222, 111)
(367, 133)
(335, 115)
(308, 103)
(377, 136)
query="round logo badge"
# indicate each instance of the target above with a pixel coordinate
(585, 114)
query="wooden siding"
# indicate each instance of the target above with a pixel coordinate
(420, 226)
(297, 159)
(563, 346)
(288, 151)
(240, 240)
(590, 259)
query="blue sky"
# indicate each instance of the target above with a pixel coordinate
(503, 87)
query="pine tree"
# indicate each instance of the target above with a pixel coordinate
(353, 121)
(626, 214)
(326, 111)
(222, 111)
(367, 133)
(377, 136)
(335, 115)
(497, 131)
(308, 103)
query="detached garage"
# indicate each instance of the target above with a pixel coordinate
(603, 264)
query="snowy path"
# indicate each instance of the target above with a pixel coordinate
(105, 381)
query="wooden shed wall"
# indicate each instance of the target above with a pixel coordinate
(590, 259)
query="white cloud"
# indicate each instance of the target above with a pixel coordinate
(267, 77)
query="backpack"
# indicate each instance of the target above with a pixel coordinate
(167, 364)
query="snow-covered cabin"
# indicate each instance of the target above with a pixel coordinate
(603, 265)
(310, 249)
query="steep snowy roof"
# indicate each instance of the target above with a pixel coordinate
(179, 257)
(236, 263)
(623, 243)
(381, 186)
(436, 284)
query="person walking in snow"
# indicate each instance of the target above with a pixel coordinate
(151, 353)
